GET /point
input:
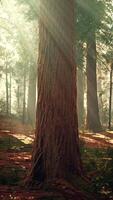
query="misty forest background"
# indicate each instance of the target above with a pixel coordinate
(19, 45)
(18, 59)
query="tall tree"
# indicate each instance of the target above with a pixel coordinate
(7, 90)
(24, 94)
(56, 149)
(80, 83)
(93, 119)
(110, 96)
(90, 15)
(31, 107)
(109, 59)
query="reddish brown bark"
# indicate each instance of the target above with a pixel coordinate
(93, 120)
(56, 149)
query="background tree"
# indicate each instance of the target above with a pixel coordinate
(109, 59)
(31, 105)
(80, 53)
(89, 21)
(21, 56)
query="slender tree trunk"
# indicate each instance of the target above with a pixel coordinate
(56, 148)
(80, 100)
(110, 96)
(102, 114)
(93, 120)
(80, 85)
(7, 92)
(18, 97)
(103, 111)
(24, 97)
(10, 90)
(31, 108)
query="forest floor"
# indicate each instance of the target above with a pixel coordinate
(15, 155)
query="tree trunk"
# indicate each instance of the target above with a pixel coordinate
(18, 97)
(93, 120)
(7, 91)
(24, 97)
(80, 84)
(80, 100)
(56, 149)
(10, 89)
(110, 96)
(31, 108)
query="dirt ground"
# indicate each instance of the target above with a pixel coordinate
(15, 157)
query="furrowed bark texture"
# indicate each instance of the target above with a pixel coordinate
(93, 120)
(56, 149)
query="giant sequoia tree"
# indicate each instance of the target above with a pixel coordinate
(56, 147)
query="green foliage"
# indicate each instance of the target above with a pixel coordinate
(99, 163)
(109, 56)
(89, 17)
(33, 8)
(103, 183)
(106, 34)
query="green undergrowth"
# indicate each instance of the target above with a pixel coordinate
(98, 166)
(9, 142)
(97, 183)
(11, 175)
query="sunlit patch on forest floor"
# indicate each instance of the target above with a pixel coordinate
(15, 159)
(100, 140)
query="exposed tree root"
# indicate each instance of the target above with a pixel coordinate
(60, 188)
(67, 190)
